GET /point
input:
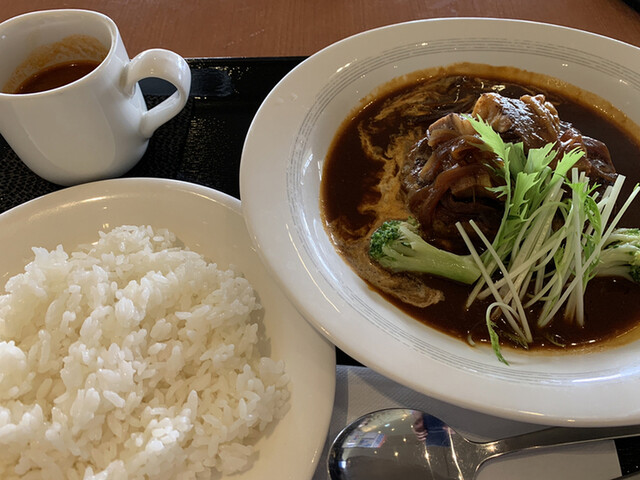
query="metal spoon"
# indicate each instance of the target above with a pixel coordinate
(409, 444)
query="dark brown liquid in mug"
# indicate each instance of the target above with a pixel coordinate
(56, 76)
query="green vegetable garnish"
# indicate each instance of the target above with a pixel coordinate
(398, 246)
(531, 260)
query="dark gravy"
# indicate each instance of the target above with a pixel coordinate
(351, 177)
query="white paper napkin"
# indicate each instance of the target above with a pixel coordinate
(359, 390)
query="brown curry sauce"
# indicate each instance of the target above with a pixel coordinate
(350, 179)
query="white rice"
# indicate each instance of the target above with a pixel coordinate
(131, 358)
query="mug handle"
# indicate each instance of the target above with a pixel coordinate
(166, 65)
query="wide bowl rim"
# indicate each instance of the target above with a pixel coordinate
(277, 227)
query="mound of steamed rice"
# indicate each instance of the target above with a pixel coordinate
(131, 358)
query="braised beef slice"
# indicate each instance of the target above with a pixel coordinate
(447, 176)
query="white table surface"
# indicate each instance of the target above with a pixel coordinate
(359, 390)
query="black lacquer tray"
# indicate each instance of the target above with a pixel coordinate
(203, 145)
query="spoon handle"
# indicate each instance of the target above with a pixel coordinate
(558, 436)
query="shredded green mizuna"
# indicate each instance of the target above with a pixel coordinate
(529, 261)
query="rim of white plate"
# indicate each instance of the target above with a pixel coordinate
(280, 178)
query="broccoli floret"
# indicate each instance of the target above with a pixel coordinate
(397, 246)
(620, 255)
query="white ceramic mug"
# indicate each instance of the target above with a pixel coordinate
(97, 126)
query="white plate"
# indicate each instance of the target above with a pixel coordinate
(210, 223)
(280, 177)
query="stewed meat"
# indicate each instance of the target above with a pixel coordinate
(448, 178)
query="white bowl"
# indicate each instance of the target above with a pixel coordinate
(210, 223)
(280, 179)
